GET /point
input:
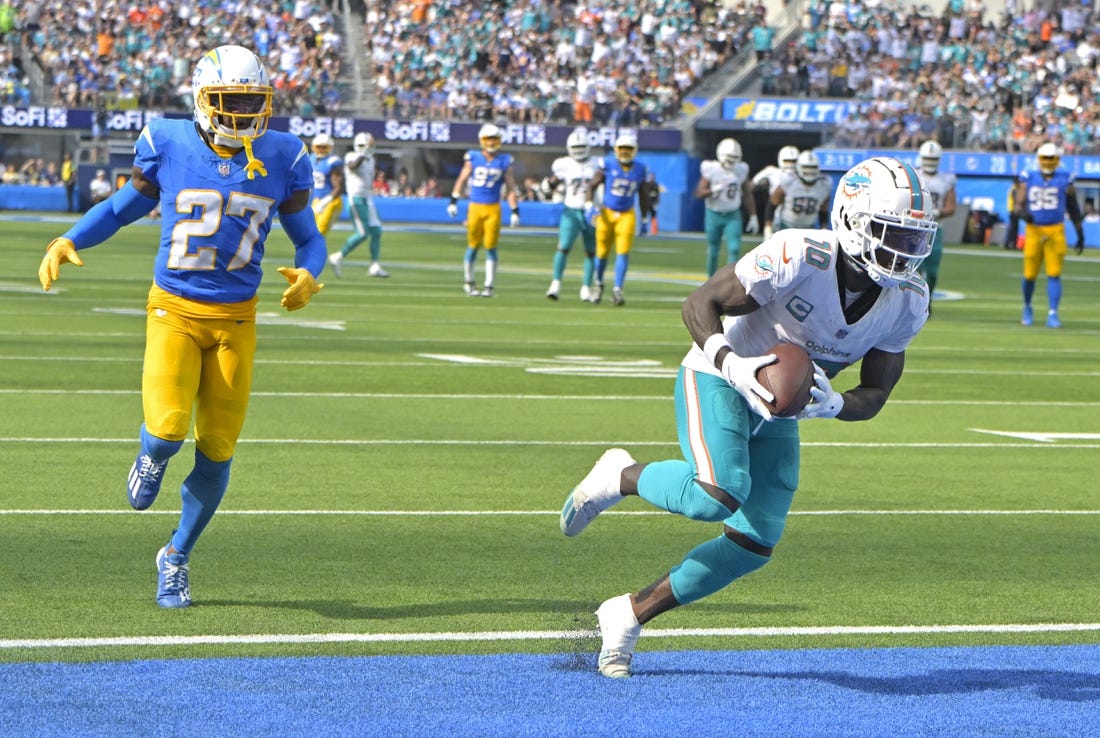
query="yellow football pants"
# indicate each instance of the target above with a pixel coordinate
(204, 364)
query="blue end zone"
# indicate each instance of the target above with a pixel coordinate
(1010, 690)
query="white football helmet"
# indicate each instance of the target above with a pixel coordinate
(807, 167)
(232, 95)
(322, 144)
(626, 147)
(1050, 156)
(882, 215)
(490, 138)
(788, 157)
(728, 153)
(577, 145)
(363, 143)
(930, 153)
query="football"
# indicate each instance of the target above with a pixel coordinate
(789, 379)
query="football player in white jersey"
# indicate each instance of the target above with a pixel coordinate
(802, 198)
(359, 177)
(724, 185)
(770, 175)
(941, 185)
(847, 295)
(573, 173)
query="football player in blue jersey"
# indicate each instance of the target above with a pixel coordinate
(616, 221)
(328, 182)
(219, 181)
(487, 170)
(1042, 200)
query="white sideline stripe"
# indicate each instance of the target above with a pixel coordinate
(540, 635)
(555, 513)
(509, 442)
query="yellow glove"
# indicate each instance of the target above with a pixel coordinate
(302, 288)
(60, 251)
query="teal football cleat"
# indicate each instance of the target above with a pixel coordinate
(143, 482)
(172, 587)
(596, 492)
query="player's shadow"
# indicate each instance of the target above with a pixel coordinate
(1065, 686)
(580, 614)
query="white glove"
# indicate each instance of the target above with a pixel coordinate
(452, 210)
(591, 212)
(740, 372)
(753, 224)
(825, 402)
(514, 222)
(320, 204)
(768, 232)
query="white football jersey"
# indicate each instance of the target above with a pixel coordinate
(770, 174)
(359, 179)
(793, 276)
(575, 175)
(802, 201)
(725, 185)
(938, 185)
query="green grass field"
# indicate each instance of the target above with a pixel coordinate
(407, 450)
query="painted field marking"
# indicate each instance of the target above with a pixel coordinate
(1040, 436)
(536, 635)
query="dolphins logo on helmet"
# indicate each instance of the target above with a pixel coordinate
(882, 215)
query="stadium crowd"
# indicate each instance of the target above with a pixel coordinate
(108, 53)
(526, 61)
(963, 77)
(970, 81)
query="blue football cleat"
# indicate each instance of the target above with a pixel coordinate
(1026, 318)
(172, 588)
(1052, 320)
(143, 483)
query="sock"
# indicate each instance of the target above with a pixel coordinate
(589, 268)
(622, 261)
(352, 243)
(712, 258)
(468, 263)
(559, 264)
(1054, 292)
(202, 492)
(156, 448)
(490, 267)
(670, 485)
(709, 567)
(601, 266)
(375, 242)
(1029, 290)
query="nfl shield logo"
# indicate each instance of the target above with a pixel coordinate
(841, 333)
(223, 168)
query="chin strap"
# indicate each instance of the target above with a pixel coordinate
(254, 165)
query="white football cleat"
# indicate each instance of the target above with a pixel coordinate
(619, 629)
(596, 492)
(472, 290)
(336, 261)
(376, 270)
(586, 293)
(555, 288)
